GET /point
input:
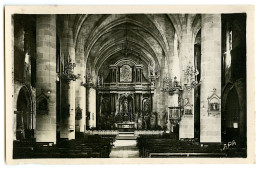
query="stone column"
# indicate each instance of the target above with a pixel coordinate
(176, 62)
(82, 105)
(67, 126)
(210, 124)
(173, 72)
(12, 88)
(81, 90)
(117, 103)
(186, 55)
(46, 75)
(92, 107)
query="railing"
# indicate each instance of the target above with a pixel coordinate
(102, 132)
(149, 132)
(116, 132)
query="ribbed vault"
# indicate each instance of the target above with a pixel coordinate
(148, 38)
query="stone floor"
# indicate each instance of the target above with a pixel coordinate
(125, 149)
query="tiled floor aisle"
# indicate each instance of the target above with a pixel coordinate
(124, 149)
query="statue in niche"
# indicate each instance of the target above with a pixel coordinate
(126, 109)
(214, 106)
(105, 105)
(146, 106)
(153, 70)
(125, 106)
(153, 121)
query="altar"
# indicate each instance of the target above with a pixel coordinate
(124, 97)
(126, 125)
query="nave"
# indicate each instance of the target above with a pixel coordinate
(112, 85)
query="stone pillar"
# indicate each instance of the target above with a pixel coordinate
(81, 90)
(173, 72)
(12, 88)
(46, 75)
(92, 107)
(67, 126)
(186, 127)
(210, 124)
(117, 103)
(82, 105)
(161, 106)
(176, 62)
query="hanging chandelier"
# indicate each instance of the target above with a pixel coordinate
(89, 81)
(191, 81)
(67, 72)
(125, 47)
(171, 86)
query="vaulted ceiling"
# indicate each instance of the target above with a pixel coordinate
(146, 38)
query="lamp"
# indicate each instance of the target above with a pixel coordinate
(125, 47)
(235, 122)
(171, 86)
(191, 78)
(67, 73)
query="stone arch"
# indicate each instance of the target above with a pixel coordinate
(233, 111)
(24, 114)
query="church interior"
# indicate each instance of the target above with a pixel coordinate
(129, 85)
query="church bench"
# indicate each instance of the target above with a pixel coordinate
(164, 155)
(92, 147)
(150, 144)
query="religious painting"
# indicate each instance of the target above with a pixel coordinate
(125, 73)
(42, 103)
(214, 104)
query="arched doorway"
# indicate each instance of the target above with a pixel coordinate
(24, 115)
(230, 115)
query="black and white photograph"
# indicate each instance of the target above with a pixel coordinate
(159, 83)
